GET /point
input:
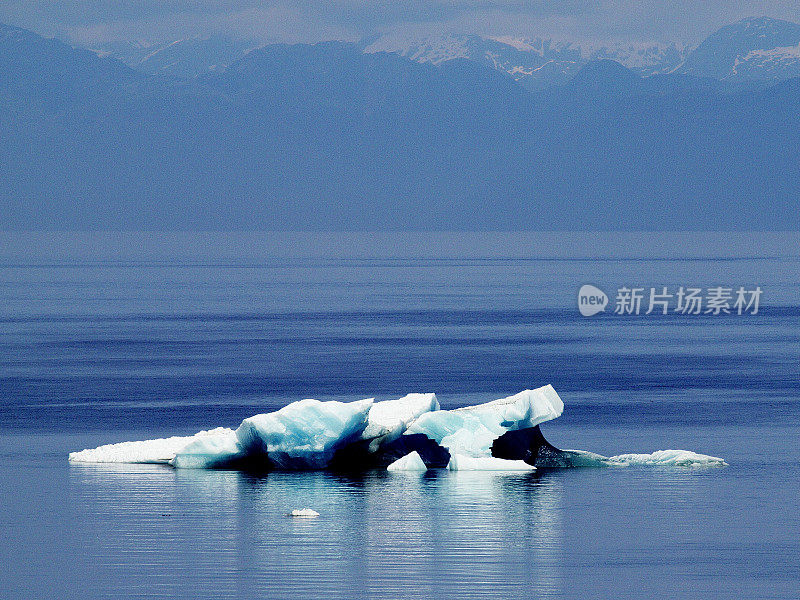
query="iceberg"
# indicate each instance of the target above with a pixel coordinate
(305, 434)
(460, 462)
(410, 462)
(472, 430)
(410, 433)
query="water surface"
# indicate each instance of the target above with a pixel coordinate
(105, 340)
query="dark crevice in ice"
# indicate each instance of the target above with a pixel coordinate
(357, 456)
(529, 445)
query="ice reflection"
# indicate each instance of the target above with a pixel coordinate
(516, 522)
(148, 528)
(379, 535)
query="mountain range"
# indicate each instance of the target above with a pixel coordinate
(328, 136)
(757, 48)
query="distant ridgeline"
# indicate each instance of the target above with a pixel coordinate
(455, 133)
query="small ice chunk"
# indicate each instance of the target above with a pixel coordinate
(460, 462)
(304, 434)
(472, 430)
(159, 451)
(667, 458)
(304, 513)
(410, 462)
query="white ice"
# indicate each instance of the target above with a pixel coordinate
(471, 430)
(410, 462)
(667, 458)
(304, 434)
(460, 462)
(389, 419)
(148, 451)
(660, 458)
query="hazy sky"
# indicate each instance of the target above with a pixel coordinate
(312, 20)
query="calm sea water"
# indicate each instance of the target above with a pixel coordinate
(112, 338)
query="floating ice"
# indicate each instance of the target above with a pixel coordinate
(309, 434)
(410, 462)
(148, 451)
(305, 434)
(660, 458)
(304, 513)
(667, 458)
(472, 430)
(460, 462)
